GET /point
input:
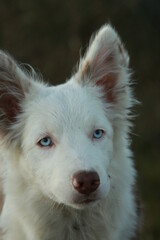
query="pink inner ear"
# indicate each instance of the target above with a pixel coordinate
(104, 64)
(108, 84)
(10, 106)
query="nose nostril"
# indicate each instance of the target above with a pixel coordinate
(86, 182)
(95, 183)
(76, 183)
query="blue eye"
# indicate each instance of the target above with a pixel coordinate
(98, 134)
(45, 142)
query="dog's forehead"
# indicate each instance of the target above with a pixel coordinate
(76, 100)
(66, 110)
(69, 103)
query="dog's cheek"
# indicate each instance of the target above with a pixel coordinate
(103, 167)
(52, 177)
(35, 168)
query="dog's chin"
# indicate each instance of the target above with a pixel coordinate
(79, 201)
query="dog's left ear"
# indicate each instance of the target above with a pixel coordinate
(105, 65)
(15, 85)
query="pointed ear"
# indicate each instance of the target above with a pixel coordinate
(105, 65)
(14, 85)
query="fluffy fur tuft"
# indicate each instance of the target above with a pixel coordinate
(68, 168)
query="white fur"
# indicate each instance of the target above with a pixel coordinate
(40, 201)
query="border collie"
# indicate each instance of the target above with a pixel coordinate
(68, 168)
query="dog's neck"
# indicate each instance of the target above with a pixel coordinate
(75, 224)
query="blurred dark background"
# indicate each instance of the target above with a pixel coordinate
(50, 34)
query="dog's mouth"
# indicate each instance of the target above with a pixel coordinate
(85, 200)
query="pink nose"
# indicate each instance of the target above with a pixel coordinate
(86, 182)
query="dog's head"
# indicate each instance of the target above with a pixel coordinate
(65, 134)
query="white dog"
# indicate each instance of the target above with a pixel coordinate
(68, 171)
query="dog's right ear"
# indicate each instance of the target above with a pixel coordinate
(14, 85)
(105, 65)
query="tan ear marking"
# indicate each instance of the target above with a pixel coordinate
(85, 68)
(108, 82)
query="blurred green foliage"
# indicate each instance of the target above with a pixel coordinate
(49, 34)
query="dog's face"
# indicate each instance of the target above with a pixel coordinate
(65, 133)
